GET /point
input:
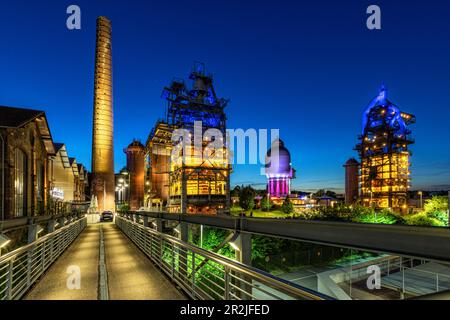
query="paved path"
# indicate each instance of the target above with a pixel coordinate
(131, 275)
(83, 253)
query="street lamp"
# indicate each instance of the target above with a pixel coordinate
(125, 183)
(420, 193)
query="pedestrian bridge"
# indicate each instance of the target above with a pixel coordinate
(127, 261)
(130, 260)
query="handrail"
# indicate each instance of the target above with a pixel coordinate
(426, 272)
(22, 222)
(243, 274)
(26, 247)
(392, 239)
(21, 268)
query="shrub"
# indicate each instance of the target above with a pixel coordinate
(436, 203)
(123, 208)
(287, 206)
(265, 204)
(421, 219)
(384, 216)
(440, 216)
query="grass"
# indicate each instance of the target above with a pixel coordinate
(258, 213)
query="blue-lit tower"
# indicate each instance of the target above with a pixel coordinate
(384, 154)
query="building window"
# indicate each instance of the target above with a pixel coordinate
(40, 187)
(20, 183)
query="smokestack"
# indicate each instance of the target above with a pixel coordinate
(103, 185)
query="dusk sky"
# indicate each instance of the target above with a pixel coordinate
(308, 68)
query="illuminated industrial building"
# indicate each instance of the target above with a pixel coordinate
(157, 165)
(135, 170)
(384, 155)
(351, 181)
(185, 179)
(103, 185)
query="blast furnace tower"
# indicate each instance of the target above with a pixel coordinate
(383, 149)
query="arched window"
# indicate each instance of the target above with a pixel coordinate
(20, 183)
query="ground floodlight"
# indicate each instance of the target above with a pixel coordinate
(4, 241)
(235, 241)
(39, 229)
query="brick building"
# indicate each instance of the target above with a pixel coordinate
(26, 144)
(36, 175)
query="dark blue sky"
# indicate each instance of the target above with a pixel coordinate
(308, 68)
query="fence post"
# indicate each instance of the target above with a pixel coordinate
(437, 282)
(32, 231)
(10, 279)
(227, 284)
(182, 254)
(403, 280)
(194, 267)
(244, 255)
(145, 221)
(173, 260)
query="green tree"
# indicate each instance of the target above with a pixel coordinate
(265, 204)
(287, 206)
(436, 208)
(263, 246)
(436, 203)
(247, 198)
(236, 191)
(319, 193)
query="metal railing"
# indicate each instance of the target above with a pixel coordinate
(21, 268)
(208, 276)
(438, 281)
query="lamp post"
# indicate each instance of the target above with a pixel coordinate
(420, 193)
(125, 181)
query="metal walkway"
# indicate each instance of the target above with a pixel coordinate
(131, 275)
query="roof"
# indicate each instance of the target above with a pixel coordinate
(73, 164)
(16, 117)
(58, 146)
(62, 151)
(351, 161)
(11, 117)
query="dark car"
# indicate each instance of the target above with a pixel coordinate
(107, 216)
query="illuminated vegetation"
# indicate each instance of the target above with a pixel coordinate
(434, 214)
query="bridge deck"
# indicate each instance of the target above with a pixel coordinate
(131, 275)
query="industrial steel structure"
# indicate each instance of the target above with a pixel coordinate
(186, 171)
(384, 154)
